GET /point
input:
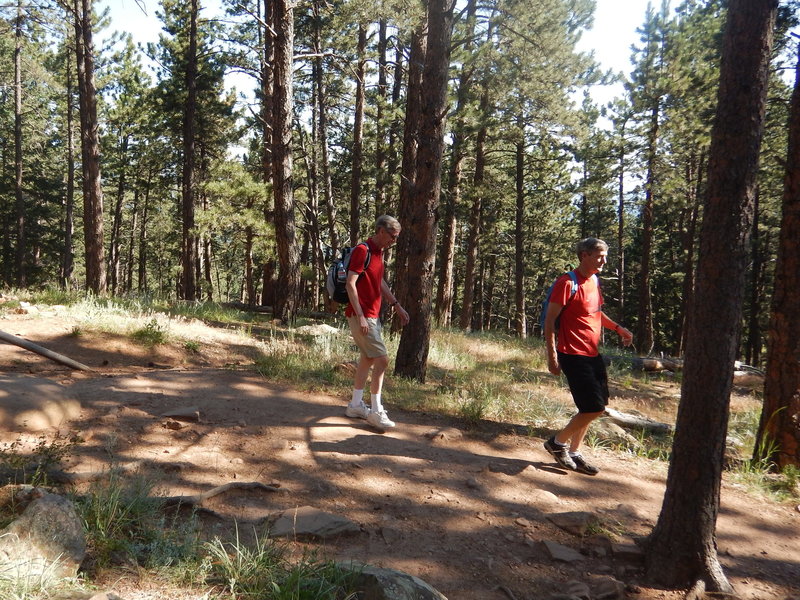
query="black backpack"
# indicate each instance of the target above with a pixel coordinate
(337, 274)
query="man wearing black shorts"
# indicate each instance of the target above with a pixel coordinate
(572, 327)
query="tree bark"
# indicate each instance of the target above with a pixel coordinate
(90, 150)
(116, 226)
(321, 140)
(413, 116)
(452, 196)
(682, 547)
(19, 204)
(68, 252)
(644, 322)
(474, 230)
(412, 353)
(286, 300)
(358, 139)
(778, 438)
(380, 125)
(189, 240)
(520, 325)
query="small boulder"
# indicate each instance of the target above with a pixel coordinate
(46, 539)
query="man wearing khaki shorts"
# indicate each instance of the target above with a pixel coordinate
(366, 288)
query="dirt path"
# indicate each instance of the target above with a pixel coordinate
(464, 510)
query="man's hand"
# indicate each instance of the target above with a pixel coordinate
(625, 335)
(401, 312)
(362, 321)
(552, 365)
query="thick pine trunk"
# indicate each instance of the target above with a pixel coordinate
(682, 547)
(778, 439)
(286, 299)
(90, 150)
(412, 353)
(189, 249)
(413, 114)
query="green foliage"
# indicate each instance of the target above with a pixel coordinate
(124, 521)
(152, 334)
(262, 571)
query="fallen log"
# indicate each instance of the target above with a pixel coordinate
(197, 500)
(64, 360)
(628, 420)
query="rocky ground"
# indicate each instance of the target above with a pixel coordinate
(479, 513)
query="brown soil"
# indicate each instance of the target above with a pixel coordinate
(462, 508)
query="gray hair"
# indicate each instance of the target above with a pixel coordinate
(590, 245)
(388, 222)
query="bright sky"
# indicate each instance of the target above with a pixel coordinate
(614, 31)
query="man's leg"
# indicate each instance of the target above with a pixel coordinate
(576, 430)
(362, 372)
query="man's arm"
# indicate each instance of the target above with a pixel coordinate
(352, 293)
(553, 310)
(627, 336)
(391, 300)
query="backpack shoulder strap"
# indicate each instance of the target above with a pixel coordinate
(574, 287)
(368, 257)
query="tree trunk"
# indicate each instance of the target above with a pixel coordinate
(68, 252)
(380, 125)
(116, 227)
(682, 547)
(412, 353)
(413, 116)
(189, 256)
(90, 150)
(644, 323)
(452, 196)
(752, 350)
(321, 140)
(267, 82)
(778, 439)
(358, 139)
(694, 183)
(520, 326)
(474, 231)
(286, 300)
(21, 278)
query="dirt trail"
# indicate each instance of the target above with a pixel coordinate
(465, 510)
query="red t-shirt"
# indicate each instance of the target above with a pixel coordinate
(580, 323)
(368, 286)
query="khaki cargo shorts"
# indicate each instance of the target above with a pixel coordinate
(370, 344)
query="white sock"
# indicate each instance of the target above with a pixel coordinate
(573, 454)
(358, 397)
(375, 402)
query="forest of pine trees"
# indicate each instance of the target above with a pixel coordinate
(135, 170)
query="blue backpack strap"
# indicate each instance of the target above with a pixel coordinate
(574, 288)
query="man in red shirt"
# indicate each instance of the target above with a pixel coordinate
(572, 327)
(366, 287)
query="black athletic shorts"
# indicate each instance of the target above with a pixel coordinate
(588, 381)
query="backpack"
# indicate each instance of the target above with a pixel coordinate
(574, 279)
(337, 274)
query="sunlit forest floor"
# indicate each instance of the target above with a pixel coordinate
(459, 494)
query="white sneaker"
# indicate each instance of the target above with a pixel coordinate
(380, 420)
(359, 411)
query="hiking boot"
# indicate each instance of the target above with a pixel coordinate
(380, 420)
(560, 453)
(359, 411)
(581, 466)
